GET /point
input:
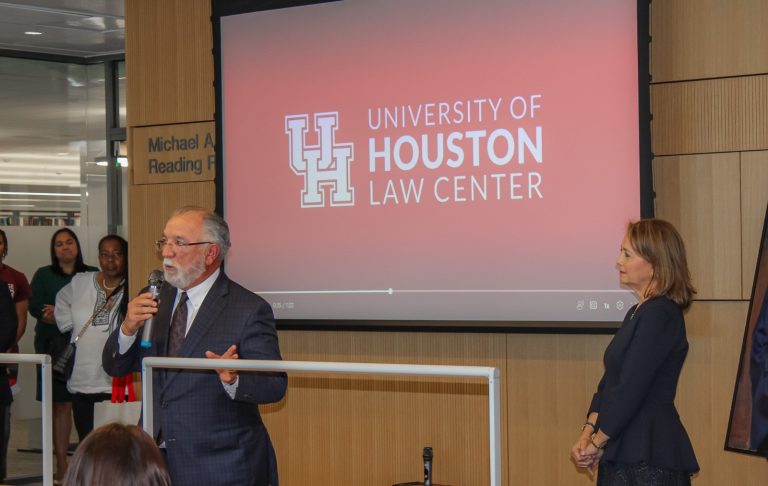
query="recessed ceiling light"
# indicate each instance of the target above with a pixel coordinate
(33, 32)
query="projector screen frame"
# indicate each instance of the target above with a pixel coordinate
(222, 8)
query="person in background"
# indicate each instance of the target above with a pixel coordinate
(66, 261)
(20, 292)
(117, 455)
(633, 433)
(8, 327)
(19, 287)
(101, 298)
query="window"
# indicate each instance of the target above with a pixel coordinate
(52, 140)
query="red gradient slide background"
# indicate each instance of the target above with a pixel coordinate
(529, 259)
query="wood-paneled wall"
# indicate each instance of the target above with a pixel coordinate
(709, 100)
(697, 39)
(696, 193)
(169, 71)
(754, 198)
(710, 106)
(371, 430)
(169, 63)
(716, 115)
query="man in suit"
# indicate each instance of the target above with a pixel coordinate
(208, 422)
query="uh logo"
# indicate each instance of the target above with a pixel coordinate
(323, 165)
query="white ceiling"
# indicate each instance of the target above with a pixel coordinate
(48, 110)
(81, 28)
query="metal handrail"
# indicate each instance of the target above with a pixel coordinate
(491, 374)
(47, 403)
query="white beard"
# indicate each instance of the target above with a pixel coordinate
(180, 278)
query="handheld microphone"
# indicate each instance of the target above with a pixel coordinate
(156, 280)
(427, 456)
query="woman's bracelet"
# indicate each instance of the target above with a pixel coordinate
(588, 424)
(594, 443)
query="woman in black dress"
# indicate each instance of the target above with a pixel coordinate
(633, 434)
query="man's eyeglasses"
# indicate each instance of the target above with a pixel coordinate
(162, 242)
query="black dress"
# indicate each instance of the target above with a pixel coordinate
(617, 474)
(635, 400)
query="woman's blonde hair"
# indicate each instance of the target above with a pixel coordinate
(659, 243)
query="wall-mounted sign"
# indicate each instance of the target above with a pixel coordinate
(174, 153)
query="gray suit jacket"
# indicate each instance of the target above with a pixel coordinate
(210, 438)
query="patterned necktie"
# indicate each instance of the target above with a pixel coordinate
(178, 326)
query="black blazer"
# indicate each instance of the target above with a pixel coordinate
(210, 438)
(635, 397)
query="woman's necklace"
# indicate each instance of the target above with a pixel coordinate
(107, 287)
(636, 308)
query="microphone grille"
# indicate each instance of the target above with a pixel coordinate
(156, 277)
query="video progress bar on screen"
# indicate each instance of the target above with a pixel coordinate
(392, 291)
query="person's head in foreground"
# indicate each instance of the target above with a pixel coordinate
(117, 455)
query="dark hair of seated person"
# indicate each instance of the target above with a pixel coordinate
(117, 455)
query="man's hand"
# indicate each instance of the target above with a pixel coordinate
(139, 310)
(226, 376)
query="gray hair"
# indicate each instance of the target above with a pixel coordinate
(216, 230)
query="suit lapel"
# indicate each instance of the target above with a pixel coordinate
(206, 316)
(205, 319)
(161, 326)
